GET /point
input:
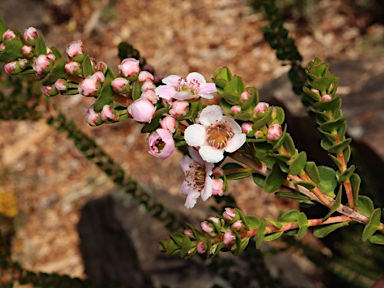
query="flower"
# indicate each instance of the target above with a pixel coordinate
(206, 227)
(229, 214)
(228, 238)
(107, 114)
(326, 98)
(9, 34)
(89, 86)
(198, 179)
(30, 35)
(42, 65)
(129, 67)
(201, 247)
(92, 117)
(120, 85)
(261, 107)
(193, 87)
(274, 132)
(75, 49)
(142, 110)
(217, 187)
(27, 51)
(215, 134)
(73, 67)
(145, 76)
(161, 143)
(179, 108)
(168, 123)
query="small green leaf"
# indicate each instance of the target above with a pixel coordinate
(105, 96)
(373, 225)
(235, 85)
(328, 105)
(260, 234)
(341, 177)
(317, 68)
(244, 243)
(178, 238)
(328, 135)
(136, 90)
(336, 161)
(258, 179)
(340, 146)
(328, 180)
(290, 216)
(224, 104)
(365, 205)
(216, 248)
(324, 83)
(311, 94)
(262, 121)
(377, 239)
(322, 231)
(252, 221)
(312, 171)
(280, 115)
(231, 97)
(281, 157)
(242, 116)
(273, 236)
(237, 242)
(87, 66)
(335, 205)
(222, 74)
(329, 126)
(281, 140)
(12, 51)
(152, 126)
(289, 144)
(298, 164)
(355, 184)
(292, 195)
(305, 184)
(3, 27)
(302, 220)
(275, 223)
(275, 179)
(172, 248)
(40, 46)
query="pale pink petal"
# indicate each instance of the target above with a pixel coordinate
(207, 191)
(207, 88)
(196, 76)
(191, 199)
(211, 115)
(183, 95)
(186, 188)
(235, 143)
(172, 80)
(166, 92)
(196, 156)
(195, 135)
(211, 154)
(185, 163)
(205, 96)
(236, 128)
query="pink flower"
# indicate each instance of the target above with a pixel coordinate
(206, 227)
(274, 132)
(142, 110)
(49, 90)
(215, 134)
(129, 67)
(42, 65)
(201, 248)
(9, 34)
(161, 143)
(73, 68)
(168, 123)
(235, 109)
(198, 179)
(12, 68)
(237, 225)
(228, 238)
(193, 87)
(120, 85)
(145, 76)
(229, 214)
(217, 187)
(246, 127)
(179, 108)
(107, 114)
(89, 86)
(150, 95)
(74, 49)
(61, 85)
(91, 117)
(147, 85)
(27, 51)
(30, 35)
(326, 98)
(245, 95)
(261, 107)
(188, 232)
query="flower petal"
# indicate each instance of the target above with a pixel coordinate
(185, 188)
(207, 88)
(183, 95)
(196, 76)
(166, 92)
(196, 156)
(191, 199)
(172, 80)
(210, 154)
(231, 123)
(235, 143)
(195, 135)
(185, 163)
(207, 191)
(210, 115)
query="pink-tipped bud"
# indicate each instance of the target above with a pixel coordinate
(326, 98)
(214, 219)
(179, 108)
(142, 110)
(259, 134)
(75, 51)
(274, 132)
(217, 187)
(51, 56)
(148, 85)
(168, 123)
(73, 68)
(315, 91)
(188, 232)
(2, 47)
(145, 76)
(238, 225)
(107, 114)
(229, 214)
(161, 143)
(261, 107)
(12, 68)
(49, 90)
(100, 67)
(150, 95)
(120, 85)
(246, 127)
(245, 95)
(229, 238)
(99, 75)
(206, 227)
(92, 117)
(61, 85)
(218, 171)
(129, 67)
(27, 51)
(235, 109)
(89, 86)
(42, 65)
(201, 248)
(8, 35)
(30, 36)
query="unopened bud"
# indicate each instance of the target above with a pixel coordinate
(30, 36)
(229, 214)
(42, 66)
(206, 227)
(145, 76)
(8, 35)
(235, 109)
(326, 98)
(148, 85)
(201, 247)
(246, 127)
(179, 108)
(75, 51)
(245, 95)
(261, 107)
(89, 86)
(107, 114)
(142, 110)
(92, 117)
(150, 95)
(73, 68)
(229, 238)
(49, 90)
(101, 67)
(61, 85)
(274, 132)
(259, 134)
(238, 225)
(168, 123)
(12, 68)
(217, 187)
(27, 51)
(129, 67)
(188, 232)
(218, 171)
(120, 85)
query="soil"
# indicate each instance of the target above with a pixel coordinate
(48, 175)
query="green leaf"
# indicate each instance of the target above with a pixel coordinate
(275, 179)
(280, 114)
(303, 225)
(3, 27)
(40, 46)
(12, 51)
(221, 76)
(311, 94)
(292, 195)
(224, 104)
(238, 243)
(87, 66)
(340, 146)
(289, 144)
(377, 239)
(252, 221)
(298, 164)
(262, 121)
(290, 216)
(244, 243)
(341, 177)
(355, 184)
(231, 97)
(322, 84)
(328, 105)
(317, 68)
(328, 181)
(328, 135)
(216, 248)
(275, 223)
(56, 73)
(260, 234)
(273, 236)
(329, 126)
(312, 171)
(155, 122)
(172, 248)
(305, 184)
(281, 157)
(335, 205)
(258, 179)
(336, 161)
(105, 97)
(373, 224)
(242, 116)
(235, 85)
(324, 230)
(280, 142)
(365, 205)
(178, 238)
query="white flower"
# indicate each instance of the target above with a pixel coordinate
(215, 134)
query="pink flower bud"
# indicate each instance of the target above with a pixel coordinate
(89, 86)
(30, 36)
(27, 51)
(73, 68)
(101, 67)
(120, 85)
(218, 171)
(107, 114)
(259, 134)
(168, 123)
(217, 187)
(246, 127)
(235, 109)
(145, 76)
(179, 108)
(228, 214)
(326, 98)
(91, 117)
(51, 56)
(148, 85)
(42, 65)
(261, 107)
(61, 85)
(8, 35)
(274, 132)
(49, 90)
(214, 219)
(129, 67)
(142, 110)
(188, 232)
(2, 47)
(99, 75)
(161, 143)
(150, 95)
(245, 95)
(75, 51)
(201, 247)
(12, 68)
(229, 238)
(237, 225)
(206, 227)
